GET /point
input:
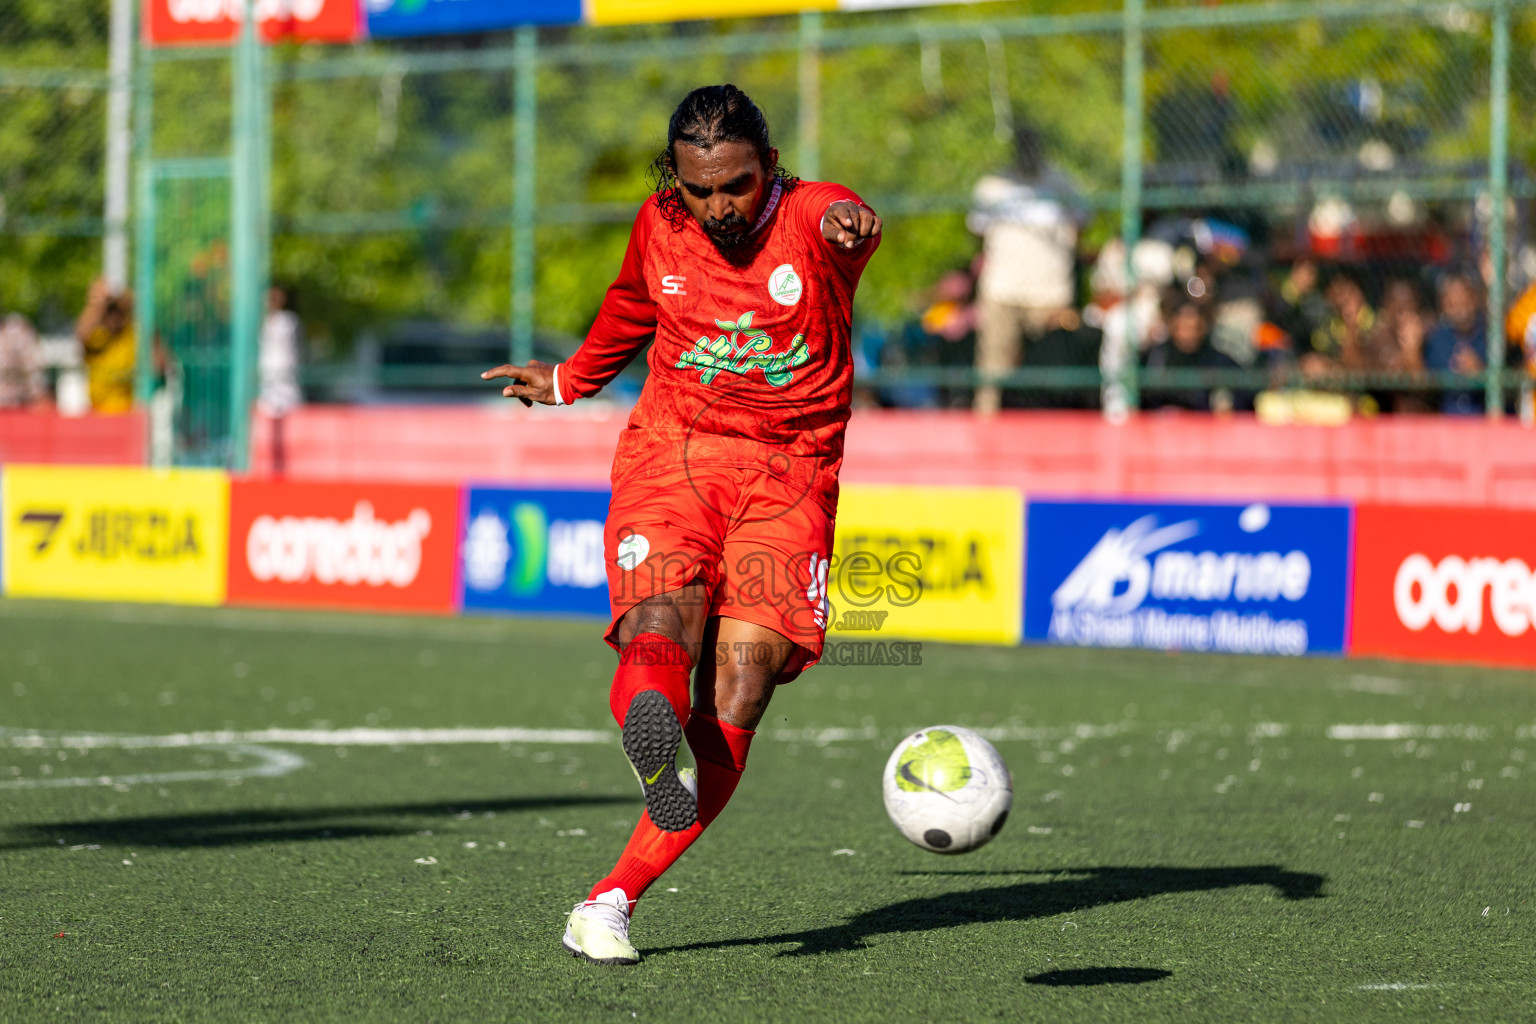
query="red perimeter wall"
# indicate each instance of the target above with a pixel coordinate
(45, 437)
(1394, 460)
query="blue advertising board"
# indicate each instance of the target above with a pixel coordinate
(1241, 579)
(396, 18)
(533, 551)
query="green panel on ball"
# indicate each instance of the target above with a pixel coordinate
(937, 764)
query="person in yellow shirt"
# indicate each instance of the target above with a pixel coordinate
(105, 330)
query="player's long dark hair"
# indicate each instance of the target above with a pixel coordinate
(707, 117)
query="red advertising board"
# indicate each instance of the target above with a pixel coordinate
(212, 22)
(388, 547)
(1445, 584)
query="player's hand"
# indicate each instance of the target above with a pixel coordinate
(532, 383)
(847, 224)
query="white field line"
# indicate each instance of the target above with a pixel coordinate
(259, 621)
(359, 737)
(996, 734)
(1395, 986)
(1408, 731)
(270, 764)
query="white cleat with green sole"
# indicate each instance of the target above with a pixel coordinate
(598, 930)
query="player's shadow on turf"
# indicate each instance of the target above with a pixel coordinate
(1084, 888)
(280, 825)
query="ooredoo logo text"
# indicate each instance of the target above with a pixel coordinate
(360, 550)
(1453, 593)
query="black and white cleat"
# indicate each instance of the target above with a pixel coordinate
(651, 738)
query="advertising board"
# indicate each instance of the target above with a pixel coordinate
(214, 22)
(114, 533)
(387, 547)
(932, 563)
(393, 18)
(1445, 584)
(1241, 579)
(534, 551)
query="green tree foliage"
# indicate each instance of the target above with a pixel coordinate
(392, 185)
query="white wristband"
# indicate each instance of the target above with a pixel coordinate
(559, 399)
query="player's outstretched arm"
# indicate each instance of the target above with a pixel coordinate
(848, 224)
(532, 383)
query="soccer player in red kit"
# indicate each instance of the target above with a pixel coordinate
(725, 479)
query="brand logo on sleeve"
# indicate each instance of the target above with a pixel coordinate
(784, 285)
(674, 284)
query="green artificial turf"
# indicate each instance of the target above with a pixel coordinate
(1187, 843)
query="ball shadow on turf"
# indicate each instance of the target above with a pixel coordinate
(1079, 889)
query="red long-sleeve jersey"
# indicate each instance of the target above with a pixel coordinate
(752, 360)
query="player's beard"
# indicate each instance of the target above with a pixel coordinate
(730, 233)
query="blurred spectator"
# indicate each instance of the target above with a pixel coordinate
(105, 330)
(1029, 233)
(279, 357)
(1397, 345)
(1520, 334)
(1339, 344)
(1237, 312)
(1299, 309)
(278, 368)
(1115, 319)
(1188, 348)
(949, 329)
(22, 383)
(1459, 341)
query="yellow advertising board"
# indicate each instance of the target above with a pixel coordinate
(931, 563)
(117, 534)
(629, 12)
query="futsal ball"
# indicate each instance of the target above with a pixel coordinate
(947, 789)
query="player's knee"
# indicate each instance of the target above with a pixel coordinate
(654, 615)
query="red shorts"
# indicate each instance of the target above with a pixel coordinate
(758, 542)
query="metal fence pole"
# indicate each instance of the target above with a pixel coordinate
(1130, 188)
(144, 229)
(525, 131)
(119, 146)
(810, 96)
(1498, 191)
(244, 237)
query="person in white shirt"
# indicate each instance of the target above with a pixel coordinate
(1029, 241)
(278, 369)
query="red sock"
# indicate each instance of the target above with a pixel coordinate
(720, 750)
(651, 662)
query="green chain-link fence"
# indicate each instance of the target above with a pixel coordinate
(437, 202)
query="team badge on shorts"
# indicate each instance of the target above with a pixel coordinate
(784, 285)
(632, 551)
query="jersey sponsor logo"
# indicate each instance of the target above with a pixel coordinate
(632, 551)
(674, 284)
(744, 349)
(784, 285)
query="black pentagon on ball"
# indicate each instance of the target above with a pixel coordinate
(937, 838)
(997, 826)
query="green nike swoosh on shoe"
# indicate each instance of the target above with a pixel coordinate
(651, 738)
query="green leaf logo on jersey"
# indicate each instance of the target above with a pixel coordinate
(743, 350)
(937, 763)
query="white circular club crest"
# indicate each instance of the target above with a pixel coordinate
(784, 285)
(632, 551)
